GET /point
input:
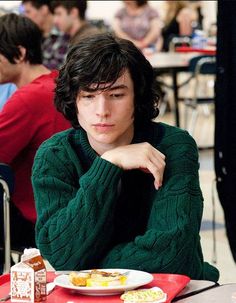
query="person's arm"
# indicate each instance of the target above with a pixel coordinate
(153, 34)
(74, 212)
(185, 18)
(171, 242)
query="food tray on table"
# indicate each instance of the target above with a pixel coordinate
(171, 284)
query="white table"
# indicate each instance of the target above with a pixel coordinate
(194, 287)
(221, 294)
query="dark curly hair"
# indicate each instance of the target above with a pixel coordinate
(100, 59)
(18, 31)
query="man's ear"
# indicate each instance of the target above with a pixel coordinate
(44, 9)
(74, 12)
(22, 54)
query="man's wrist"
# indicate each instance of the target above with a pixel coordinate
(110, 157)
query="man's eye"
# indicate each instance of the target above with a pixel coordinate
(116, 96)
(88, 97)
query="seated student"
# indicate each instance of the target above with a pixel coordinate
(138, 22)
(27, 119)
(70, 18)
(118, 190)
(54, 43)
(179, 20)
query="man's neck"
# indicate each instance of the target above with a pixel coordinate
(76, 26)
(29, 73)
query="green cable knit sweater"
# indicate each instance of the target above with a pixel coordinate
(92, 214)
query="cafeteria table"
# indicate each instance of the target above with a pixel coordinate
(225, 293)
(172, 63)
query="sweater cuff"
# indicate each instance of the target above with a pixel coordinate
(104, 172)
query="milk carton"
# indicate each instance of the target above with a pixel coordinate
(28, 278)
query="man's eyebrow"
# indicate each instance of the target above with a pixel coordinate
(118, 87)
(109, 88)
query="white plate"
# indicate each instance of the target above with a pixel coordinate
(135, 278)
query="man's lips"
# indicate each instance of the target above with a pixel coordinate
(103, 127)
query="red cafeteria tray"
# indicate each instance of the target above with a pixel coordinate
(170, 283)
(189, 49)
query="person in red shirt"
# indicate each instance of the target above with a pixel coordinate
(27, 119)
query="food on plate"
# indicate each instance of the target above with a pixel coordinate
(79, 279)
(152, 295)
(103, 278)
(95, 278)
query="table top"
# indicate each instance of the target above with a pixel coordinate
(222, 294)
(194, 287)
(171, 59)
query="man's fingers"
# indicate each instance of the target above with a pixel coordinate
(157, 158)
(157, 174)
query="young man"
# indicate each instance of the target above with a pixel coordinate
(104, 197)
(69, 17)
(28, 117)
(54, 43)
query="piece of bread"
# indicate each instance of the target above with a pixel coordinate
(79, 279)
(152, 295)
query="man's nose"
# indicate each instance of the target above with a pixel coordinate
(102, 106)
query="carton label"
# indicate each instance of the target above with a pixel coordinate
(28, 281)
(22, 286)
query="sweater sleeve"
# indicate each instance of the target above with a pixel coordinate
(74, 222)
(171, 242)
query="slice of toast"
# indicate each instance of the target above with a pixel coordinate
(79, 279)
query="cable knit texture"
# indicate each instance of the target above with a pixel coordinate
(92, 214)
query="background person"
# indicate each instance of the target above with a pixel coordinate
(138, 22)
(27, 119)
(116, 165)
(54, 43)
(179, 20)
(70, 18)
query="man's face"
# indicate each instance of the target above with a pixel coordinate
(108, 115)
(8, 72)
(62, 19)
(36, 15)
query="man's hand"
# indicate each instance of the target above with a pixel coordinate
(138, 156)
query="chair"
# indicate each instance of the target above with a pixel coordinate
(162, 77)
(200, 67)
(6, 189)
